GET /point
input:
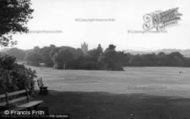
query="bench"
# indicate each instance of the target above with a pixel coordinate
(18, 100)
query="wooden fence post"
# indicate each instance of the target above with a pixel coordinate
(7, 99)
(27, 94)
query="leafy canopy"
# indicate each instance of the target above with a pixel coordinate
(14, 14)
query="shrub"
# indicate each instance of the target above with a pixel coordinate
(14, 76)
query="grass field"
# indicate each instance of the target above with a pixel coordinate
(147, 93)
(97, 105)
(164, 81)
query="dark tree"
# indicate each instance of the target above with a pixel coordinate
(14, 14)
(64, 57)
(46, 57)
(17, 53)
(94, 54)
(33, 58)
(14, 76)
(109, 60)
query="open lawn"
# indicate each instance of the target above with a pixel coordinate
(164, 81)
(147, 93)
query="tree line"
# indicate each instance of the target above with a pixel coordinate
(70, 58)
(95, 59)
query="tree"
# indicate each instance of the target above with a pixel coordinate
(64, 57)
(176, 59)
(33, 58)
(95, 53)
(109, 60)
(14, 76)
(45, 56)
(17, 53)
(14, 14)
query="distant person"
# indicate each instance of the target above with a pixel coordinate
(180, 72)
(132, 116)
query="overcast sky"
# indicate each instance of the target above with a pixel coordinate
(118, 17)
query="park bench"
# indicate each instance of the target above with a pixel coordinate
(18, 100)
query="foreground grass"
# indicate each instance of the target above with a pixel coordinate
(97, 105)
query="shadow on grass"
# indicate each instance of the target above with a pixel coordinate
(100, 105)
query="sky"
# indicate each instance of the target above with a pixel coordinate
(117, 17)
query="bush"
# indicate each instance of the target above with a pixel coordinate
(14, 76)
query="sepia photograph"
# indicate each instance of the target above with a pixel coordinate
(95, 59)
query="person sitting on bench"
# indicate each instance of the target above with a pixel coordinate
(43, 89)
(40, 82)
